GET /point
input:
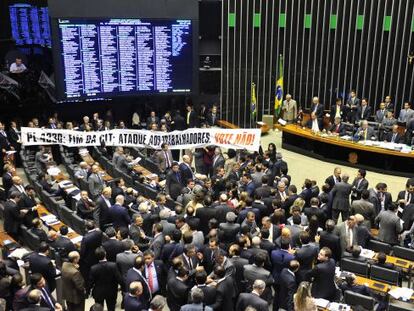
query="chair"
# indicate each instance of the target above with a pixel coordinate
(66, 215)
(403, 252)
(355, 299)
(353, 266)
(378, 246)
(385, 275)
(78, 224)
(29, 238)
(400, 307)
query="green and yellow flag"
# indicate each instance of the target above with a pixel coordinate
(279, 89)
(253, 102)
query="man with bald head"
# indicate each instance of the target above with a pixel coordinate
(132, 300)
(365, 132)
(317, 108)
(118, 214)
(289, 109)
(73, 284)
(186, 170)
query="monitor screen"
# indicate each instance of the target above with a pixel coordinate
(108, 57)
(30, 24)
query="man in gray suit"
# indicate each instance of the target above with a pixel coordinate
(289, 109)
(164, 158)
(218, 160)
(83, 171)
(257, 175)
(347, 234)
(380, 113)
(365, 132)
(168, 227)
(406, 114)
(256, 271)
(126, 260)
(340, 198)
(390, 225)
(157, 242)
(95, 182)
(365, 208)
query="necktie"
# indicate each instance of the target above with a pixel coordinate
(167, 159)
(47, 298)
(150, 280)
(365, 134)
(393, 137)
(190, 263)
(337, 128)
(362, 113)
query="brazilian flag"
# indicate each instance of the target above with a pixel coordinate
(253, 106)
(279, 89)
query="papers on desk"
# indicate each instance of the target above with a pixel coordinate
(50, 219)
(53, 171)
(367, 253)
(65, 184)
(76, 240)
(135, 162)
(401, 292)
(334, 306)
(83, 151)
(19, 253)
(77, 197)
(346, 137)
(320, 302)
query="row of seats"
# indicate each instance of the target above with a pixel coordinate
(397, 251)
(368, 303)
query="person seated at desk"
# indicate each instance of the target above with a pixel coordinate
(380, 261)
(389, 120)
(42, 179)
(365, 132)
(18, 66)
(85, 207)
(394, 136)
(380, 113)
(406, 114)
(337, 111)
(338, 129)
(363, 111)
(355, 254)
(351, 285)
(314, 123)
(38, 230)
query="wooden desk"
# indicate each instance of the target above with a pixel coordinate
(225, 124)
(88, 159)
(4, 236)
(341, 151)
(42, 211)
(140, 169)
(376, 285)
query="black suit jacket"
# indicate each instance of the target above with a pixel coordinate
(286, 291)
(84, 209)
(186, 173)
(43, 265)
(205, 214)
(177, 294)
(102, 209)
(225, 295)
(192, 119)
(161, 274)
(90, 242)
(104, 279)
(132, 303)
(397, 139)
(227, 232)
(113, 247)
(63, 246)
(367, 113)
(249, 299)
(333, 112)
(173, 185)
(323, 285)
(319, 110)
(306, 255)
(12, 218)
(331, 182)
(212, 120)
(7, 182)
(341, 129)
(332, 241)
(132, 276)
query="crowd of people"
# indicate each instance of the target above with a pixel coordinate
(242, 234)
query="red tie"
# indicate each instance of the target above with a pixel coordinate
(337, 128)
(150, 281)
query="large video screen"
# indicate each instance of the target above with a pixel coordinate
(30, 24)
(107, 57)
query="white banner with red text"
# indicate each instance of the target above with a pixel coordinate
(248, 139)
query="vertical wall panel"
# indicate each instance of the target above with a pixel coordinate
(329, 47)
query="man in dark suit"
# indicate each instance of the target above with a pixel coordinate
(317, 108)
(90, 242)
(338, 129)
(225, 290)
(61, 243)
(209, 292)
(103, 203)
(189, 258)
(394, 136)
(73, 284)
(314, 209)
(13, 216)
(132, 299)
(186, 170)
(85, 207)
(7, 177)
(34, 298)
(228, 230)
(191, 117)
(152, 119)
(179, 121)
(337, 111)
(359, 184)
(329, 239)
(306, 256)
(104, 280)
(173, 183)
(352, 104)
(288, 286)
(4, 144)
(136, 274)
(177, 290)
(41, 263)
(334, 179)
(205, 214)
(340, 198)
(212, 117)
(323, 274)
(281, 258)
(155, 273)
(253, 299)
(112, 246)
(363, 111)
(118, 214)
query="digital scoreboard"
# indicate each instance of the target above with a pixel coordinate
(121, 56)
